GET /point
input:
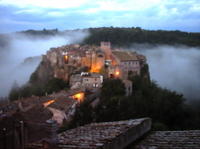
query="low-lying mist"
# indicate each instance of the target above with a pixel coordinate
(174, 67)
(20, 46)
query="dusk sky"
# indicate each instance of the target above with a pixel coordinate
(16, 15)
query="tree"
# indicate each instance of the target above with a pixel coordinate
(166, 108)
(125, 37)
(112, 87)
(55, 84)
(14, 93)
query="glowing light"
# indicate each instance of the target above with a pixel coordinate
(96, 68)
(66, 57)
(79, 96)
(48, 103)
(117, 73)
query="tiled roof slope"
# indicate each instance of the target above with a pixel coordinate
(171, 140)
(63, 103)
(107, 135)
(125, 55)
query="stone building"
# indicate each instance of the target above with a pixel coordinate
(92, 80)
(106, 48)
(93, 58)
(75, 81)
(126, 62)
(86, 80)
(98, 60)
(64, 61)
(87, 59)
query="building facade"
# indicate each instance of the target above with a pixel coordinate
(86, 81)
(126, 63)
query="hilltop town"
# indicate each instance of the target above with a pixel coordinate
(87, 66)
(84, 68)
(104, 84)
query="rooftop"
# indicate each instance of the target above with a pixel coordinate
(125, 55)
(106, 134)
(119, 134)
(189, 139)
(62, 104)
(92, 75)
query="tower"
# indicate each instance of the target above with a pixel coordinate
(106, 47)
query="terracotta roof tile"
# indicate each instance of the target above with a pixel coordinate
(189, 139)
(99, 135)
(125, 55)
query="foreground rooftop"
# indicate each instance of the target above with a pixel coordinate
(107, 135)
(129, 134)
(189, 139)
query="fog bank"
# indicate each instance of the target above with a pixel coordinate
(174, 67)
(18, 47)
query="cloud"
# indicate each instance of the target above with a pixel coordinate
(44, 3)
(56, 14)
(149, 14)
(126, 5)
(174, 67)
(29, 11)
(17, 47)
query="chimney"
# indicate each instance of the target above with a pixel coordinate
(53, 127)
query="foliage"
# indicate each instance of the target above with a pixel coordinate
(38, 89)
(112, 88)
(14, 93)
(54, 85)
(83, 115)
(33, 77)
(166, 108)
(124, 37)
(43, 32)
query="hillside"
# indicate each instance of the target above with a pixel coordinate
(125, 37)
(119, 37)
